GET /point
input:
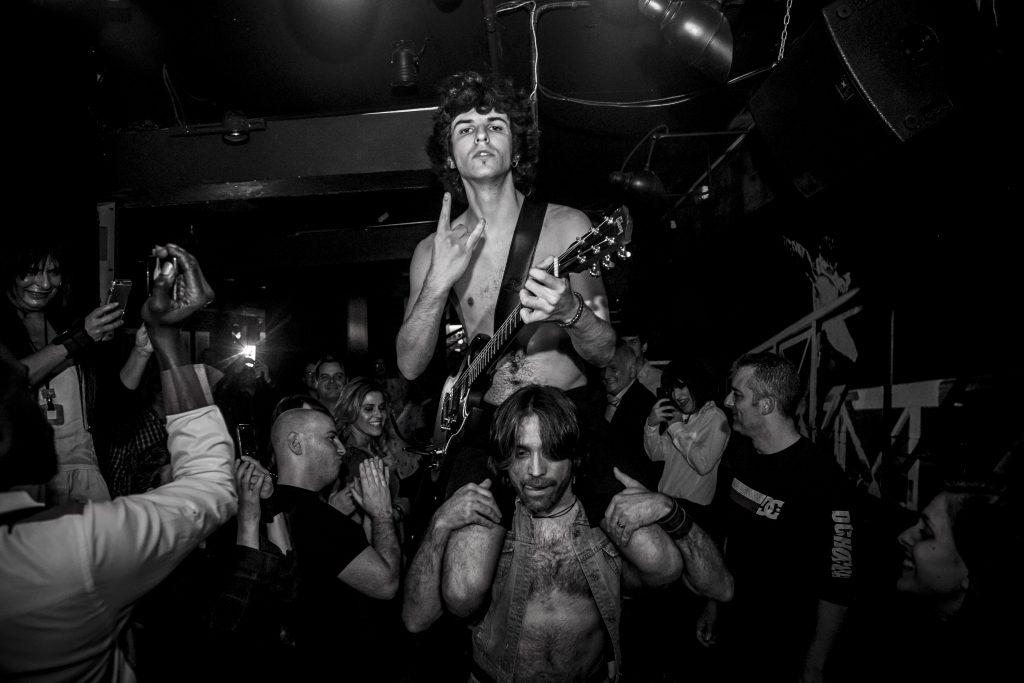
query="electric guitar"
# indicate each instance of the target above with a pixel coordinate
(464, 391)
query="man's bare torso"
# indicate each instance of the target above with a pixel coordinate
(540, 354)
(563, 636)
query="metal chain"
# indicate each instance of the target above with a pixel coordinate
(785, 31)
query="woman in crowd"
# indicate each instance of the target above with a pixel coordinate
(957, 597)
(689, 432)
(37, 326)
(363, 418)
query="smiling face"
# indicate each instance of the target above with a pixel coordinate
(330, 382)
(932, 564)
(370, 420)
(683, 399)
(542, 485)
(34, 289)
(620, 371)
(481, 144)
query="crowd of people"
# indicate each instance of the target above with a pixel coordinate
(597, 517)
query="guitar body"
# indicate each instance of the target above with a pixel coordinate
(458, 401)
(463, 392)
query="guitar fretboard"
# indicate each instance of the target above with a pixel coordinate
(595, 241)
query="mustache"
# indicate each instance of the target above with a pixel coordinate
(539, 482)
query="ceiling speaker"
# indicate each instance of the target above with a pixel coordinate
(865, 77)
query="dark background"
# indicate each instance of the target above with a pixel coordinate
(924, 225)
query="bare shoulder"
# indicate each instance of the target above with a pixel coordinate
(566, 221)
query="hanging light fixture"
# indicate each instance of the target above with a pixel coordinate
(236, 128)
(643, 184)
(698, 32)
(405, 66)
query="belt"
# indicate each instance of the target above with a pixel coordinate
(599, 676)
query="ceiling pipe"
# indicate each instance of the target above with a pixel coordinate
(491, 26)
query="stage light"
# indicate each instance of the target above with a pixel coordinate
(698, 32)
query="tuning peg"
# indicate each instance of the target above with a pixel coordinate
(595, 270)
(582, 258)
(607, 262)
(624, 253)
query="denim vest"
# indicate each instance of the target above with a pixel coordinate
(496, 637)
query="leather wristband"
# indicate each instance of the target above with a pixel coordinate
(575, 316)
(677, 523)
(74, 339)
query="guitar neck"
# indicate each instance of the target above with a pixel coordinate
(598, 242)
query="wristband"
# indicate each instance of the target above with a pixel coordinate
(74, 339)
(677, 523)
(577, 315)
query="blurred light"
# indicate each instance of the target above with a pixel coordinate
(697, 30)
(249, 351)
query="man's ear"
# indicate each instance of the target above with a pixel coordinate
(295, 443)
(767, 405)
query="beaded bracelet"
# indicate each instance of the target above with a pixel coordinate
(577, 315)
(676, 523)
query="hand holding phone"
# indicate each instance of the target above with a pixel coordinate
(118, 293)
(664, 409)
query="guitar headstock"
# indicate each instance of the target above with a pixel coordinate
(599, 247)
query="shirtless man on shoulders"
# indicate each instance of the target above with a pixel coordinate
(544, 595)
(483, 149)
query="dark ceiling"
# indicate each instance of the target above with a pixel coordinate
(135, 65)
(90, 71)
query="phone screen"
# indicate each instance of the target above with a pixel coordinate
(246, 440)
(118, 293)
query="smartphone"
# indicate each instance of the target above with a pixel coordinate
(118, 293)
(246, 435)
(156, 263)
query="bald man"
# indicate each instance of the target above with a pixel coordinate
(337, 568)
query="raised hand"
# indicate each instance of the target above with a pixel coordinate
(102, 321)
(179, 289)
(453, 246)
(372, 492)
(633, 508)
(142, 343)
(546, 297)
(662, 411)
(471, 504)
(343, 501)
(252, 483)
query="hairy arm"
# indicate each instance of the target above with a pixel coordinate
(375, 571)
(637, 509)
(549, 298)
(651, 559)
(471, 506)
(469, 565)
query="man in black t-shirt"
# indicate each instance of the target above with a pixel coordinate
(787, 519)
(336, 566)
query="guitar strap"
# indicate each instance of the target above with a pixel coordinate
(520, 257)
